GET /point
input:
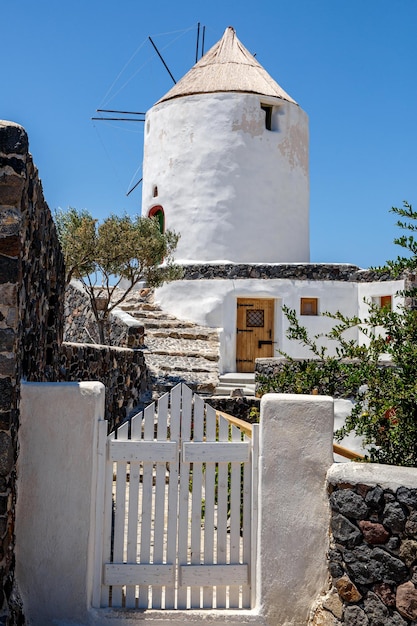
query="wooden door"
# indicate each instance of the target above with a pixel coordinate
(254, 333)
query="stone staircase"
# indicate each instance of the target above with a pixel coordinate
(236, 385)
(175, 350)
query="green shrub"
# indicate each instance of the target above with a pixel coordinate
(379, 374)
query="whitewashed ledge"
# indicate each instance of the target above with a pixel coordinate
(114, 617)
(386, 476)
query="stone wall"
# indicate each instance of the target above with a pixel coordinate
(122, 371)
(268, 372)
(31, 322)
(246, 409)
(279, 375)
(81, 327)
(121, 367)
(290, 271)
(373, 547)
(410, 287)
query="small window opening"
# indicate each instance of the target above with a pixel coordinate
(255, 318)
(309, 306)
(268, 115)
(155, 192)
(158, 212)
(383, 302)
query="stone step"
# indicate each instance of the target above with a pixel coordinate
(175, 350)
(166, 323)
(167, 363)
(239, 378)
(236, 384)
(209, 356)
(222, 390)
(136, 305)
(190, 333)
(202, 384)
(149, 315)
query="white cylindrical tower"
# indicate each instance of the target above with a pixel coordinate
(226, 163)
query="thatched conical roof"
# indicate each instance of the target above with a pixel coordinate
(227, 66)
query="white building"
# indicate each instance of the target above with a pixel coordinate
(226, 166)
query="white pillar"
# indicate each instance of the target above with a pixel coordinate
(55, 512)
(296, 439)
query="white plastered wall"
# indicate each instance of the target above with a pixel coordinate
(371, 292)
(213, 303)
(225, 182)
(368, 291)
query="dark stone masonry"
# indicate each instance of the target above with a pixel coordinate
(31, 323)
(122, 371)
(246, 409)
(81, 327)
(289, 271)
(372, 556)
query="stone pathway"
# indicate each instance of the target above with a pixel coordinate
(175, 350)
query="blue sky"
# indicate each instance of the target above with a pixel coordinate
(350, 64)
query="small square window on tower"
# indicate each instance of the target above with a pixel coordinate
(268, 115)
(309, 306)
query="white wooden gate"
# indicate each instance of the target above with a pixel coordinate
(180, 510)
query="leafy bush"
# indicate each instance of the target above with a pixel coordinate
(380, 373)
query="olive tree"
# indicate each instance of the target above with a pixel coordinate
(119, 251)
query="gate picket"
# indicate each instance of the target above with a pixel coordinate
(119, 514)
(196, 497)
(235, 478)
(159, 523)
(222, 485)
(177, 534)
(146, 504)
(247, 514)
(209, 505)
(172, 529)
(133, 519)
(183, 502)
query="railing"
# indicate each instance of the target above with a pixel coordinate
(246, 428)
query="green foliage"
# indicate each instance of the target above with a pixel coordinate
(102, 255)
(407, 222)
(379, 371)
(254, 415)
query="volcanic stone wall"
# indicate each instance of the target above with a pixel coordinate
(268, 372)
(245, 408)
(31, 322)
(289, 271)
(372, 556)
(81, 327)
(122, 371)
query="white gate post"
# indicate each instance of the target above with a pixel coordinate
(296, 437)
(56, 504)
